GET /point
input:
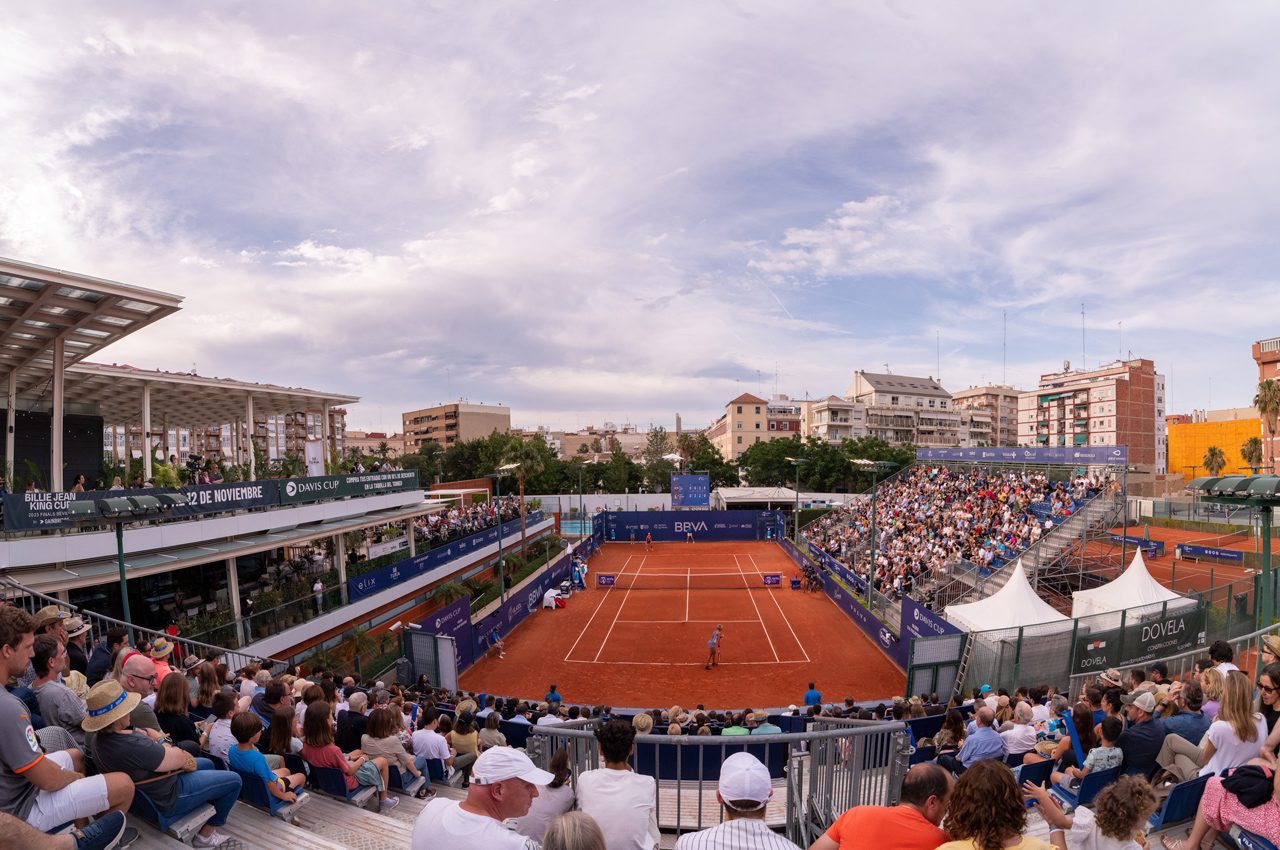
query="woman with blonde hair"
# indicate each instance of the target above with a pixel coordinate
(1231, 741)
(1211, 682)
(574, 831)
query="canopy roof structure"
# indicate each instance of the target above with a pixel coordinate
(740, 495)
(116, 391)
(42, 309)
(1134, 591)
(1011, 607)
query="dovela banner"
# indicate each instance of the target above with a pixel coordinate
(1141, 642)
(1088, 455)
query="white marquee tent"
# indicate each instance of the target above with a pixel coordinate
(1134, 591)
(1011, 607)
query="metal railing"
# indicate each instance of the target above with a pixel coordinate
(836, 765)
(32, 601)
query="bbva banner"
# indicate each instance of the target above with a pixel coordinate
(667, 526)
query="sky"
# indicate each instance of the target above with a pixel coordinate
(619, 212)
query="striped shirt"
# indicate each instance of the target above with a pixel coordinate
(740, 834)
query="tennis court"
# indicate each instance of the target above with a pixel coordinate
(643, 640)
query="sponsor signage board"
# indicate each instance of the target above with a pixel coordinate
(1151, 547)
(1069, 455)
(668, 526)
(1186, 550)
(324, 487)
(919, 622)
(454, 620)
(1138, 643)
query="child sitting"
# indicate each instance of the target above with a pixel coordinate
(1102, 757)
(1114, 819)
(246, 758)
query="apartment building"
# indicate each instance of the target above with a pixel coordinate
(1001, 402)
(749, 419)
(591, 442)
(446, 424)
(368, 442)
(1117, 404)
(1266, 353)
(910, 410)
(833, 419)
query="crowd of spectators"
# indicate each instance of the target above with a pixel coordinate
(929, 518)
(460, 521)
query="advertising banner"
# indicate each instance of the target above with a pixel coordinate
(454, 620)
(668, 526)
(1139, 643)
(1151, 547)
(325, 487)
(690, 491)
(875, 630)
(1065, 455)
(918, 621)
(33, 511)
(377, 550)
(1186, 550)
(314, 450)
(830, 564)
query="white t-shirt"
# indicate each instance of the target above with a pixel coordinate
(1019, 739)
(430, 744)
(549, 803)
(549, 720)
(1228, 749)
(1085, 835)
(444, 823)
(1039, 713)
(1225, 667)
(624, 803)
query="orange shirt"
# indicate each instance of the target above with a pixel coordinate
(878, 827)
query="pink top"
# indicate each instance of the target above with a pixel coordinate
(329, 756)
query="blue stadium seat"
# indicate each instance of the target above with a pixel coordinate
(253, 791)
(925, 727)
(1089, 787)
(1181, 804)
(1037, 774)
(517, 734)
(1246, 840)
(330, 781)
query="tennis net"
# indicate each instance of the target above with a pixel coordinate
(689, 581)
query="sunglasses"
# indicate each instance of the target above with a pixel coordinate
(1265, 688)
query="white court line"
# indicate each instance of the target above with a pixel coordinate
(757, 607)
(692, 663)
(688, 591)
(599, 604)
(783, 615)
(616, 614)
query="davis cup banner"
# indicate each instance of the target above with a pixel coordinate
(1066, 455)
(324, 487)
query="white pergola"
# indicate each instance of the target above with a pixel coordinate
(52, 320)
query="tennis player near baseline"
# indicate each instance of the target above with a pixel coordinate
(713, 647)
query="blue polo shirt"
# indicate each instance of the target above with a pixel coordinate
(1140, 744)
(1190, 725)
(985, 743)
(812, 697)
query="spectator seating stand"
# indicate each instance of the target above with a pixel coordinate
(253, 791)
(1094, 782)
(181, 828)
(330, 781)
(1180, 805)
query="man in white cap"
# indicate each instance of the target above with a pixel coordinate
(503, 784)
(744, 790)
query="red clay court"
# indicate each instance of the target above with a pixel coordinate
(643, 642)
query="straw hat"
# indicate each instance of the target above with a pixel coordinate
(160, 647)
(191, 662)
(1271, 643)
(107, 702)
(76, 627)
(76, 681)
(48, 614)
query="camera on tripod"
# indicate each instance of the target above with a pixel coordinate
(195, 463)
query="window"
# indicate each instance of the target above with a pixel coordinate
(739, 426)
(931, 402)
(757, 439)
(757, 424)
(740, 408)
(943, 404)
(757, 410)
(773, 426)
(893, 401)
(739, 439)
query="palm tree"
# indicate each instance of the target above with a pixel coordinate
(1268, 403)
(361, 642)
(1251, 451)
(1214, 460)
(383, 450)
(448, 592)
(530, 464)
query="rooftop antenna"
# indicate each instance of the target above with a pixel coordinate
(1084, 364)
(938, 354)
(887, 370)
(1004, 348)
(1120, 342)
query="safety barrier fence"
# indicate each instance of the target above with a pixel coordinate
(818, 774)
(32, 601)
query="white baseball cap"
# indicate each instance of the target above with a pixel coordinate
(743, 777)
(499, 763)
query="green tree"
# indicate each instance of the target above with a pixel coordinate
(383, 450)
(620, 474)
(462, 461)
(657, 469)
(448, 592)
(1267, 401)
(767, 464)
(531, 460)
(705, 457)
(1251, 451)
(1214, 460)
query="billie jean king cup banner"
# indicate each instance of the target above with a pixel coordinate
(1080, 455)
(1138, 643)
(690, 491)
(33, 511)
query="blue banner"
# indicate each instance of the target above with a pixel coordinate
(918, 621)
(385, 577)
(876, 631)
(668, 526)
(1155, 548)
(1186, 550)
(527, 600)
(1064, 455)
(454, 620)
(690, 491)
(830, 564)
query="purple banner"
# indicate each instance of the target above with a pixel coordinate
(772, 579)
(605, 580)
(918, 621)
(454, 620)
(1086, 455)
